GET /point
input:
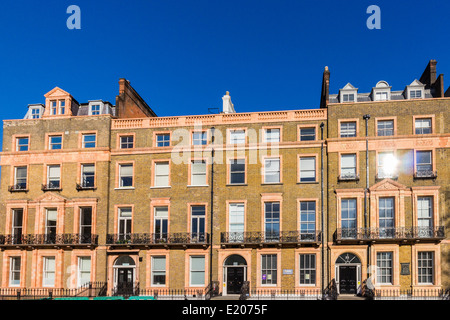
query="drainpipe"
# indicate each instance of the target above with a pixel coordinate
(322, 213)
(212, 206)
(366, 117)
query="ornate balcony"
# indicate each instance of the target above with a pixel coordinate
(348, 177)
(20, 187)
(183, 238)
(425, 174)
(51, 187)
(283, 237)
(390, 234)
(85, 186)
(67, 239)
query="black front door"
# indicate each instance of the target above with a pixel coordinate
(235, 279)
(125, 283)
(347, 279)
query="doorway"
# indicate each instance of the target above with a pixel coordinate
(348, 273)
(347, 279)
(124, 275)
(235, 274)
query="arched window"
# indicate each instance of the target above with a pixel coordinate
(124, 261)
(348, 258)
(235, 260)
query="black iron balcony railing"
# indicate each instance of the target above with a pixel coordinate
(348, 177)
(21, 187)
(153, 238)
(51, 186)
(386, 174)
(85, 186)
(425, 174)
(270, 237)
(396, 233)
(50, 239)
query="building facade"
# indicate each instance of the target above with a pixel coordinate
(96, 192)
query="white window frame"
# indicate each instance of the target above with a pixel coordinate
(270, 135)
(158, 175)
(51, 144)
(385, 261)
(13, 271)
(19, 145)
(84, 143)
(126, 175)
(156, 271)
(236, 217)
(93, 110)
(427, 268)
(421, 126)
(192, 271)
(238, 136)
(270, 169)
(347, 130)
(269, 269)
(81, 271)
(197, 174)
(46, 271)
(52, 179)
(199, 138)
(308, 270)
(303, 173)
(348, 168)
(16, 177)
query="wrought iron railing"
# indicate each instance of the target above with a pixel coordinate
(348, 177)
(251, 237)
(399, 233)
(425, 174)
(173, 294)
(157, 239)
(51, 186)
(407, 294)
(288, 294)
(18, 188)
(90, 289)
(50, 239)
(85, 186)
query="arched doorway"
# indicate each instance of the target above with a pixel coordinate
(348, 273)
(124, 275)
(234, 273)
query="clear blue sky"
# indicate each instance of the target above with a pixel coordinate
(182, 56)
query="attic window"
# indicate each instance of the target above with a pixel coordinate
(57, 107)
(415, 94)
(95, 109)
(35, 113)
(348, 97)
(381, 96)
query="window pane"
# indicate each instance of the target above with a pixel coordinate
(307, 134)
(272, 135)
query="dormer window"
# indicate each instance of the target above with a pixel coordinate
(54, 107)
(415, 94)
(35, 113)
(62, 106)
(95, 109)
(381, 91)
(381, 96)
(57, 107)
(415, 90)
(348, 97)
(348, 93)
